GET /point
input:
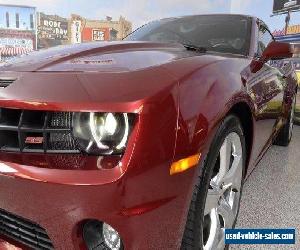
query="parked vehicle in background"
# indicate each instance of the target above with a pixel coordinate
(144, 143)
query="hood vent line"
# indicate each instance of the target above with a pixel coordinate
(5, 82)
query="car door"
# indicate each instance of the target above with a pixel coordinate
(266, 89)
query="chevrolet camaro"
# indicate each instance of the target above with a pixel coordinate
(143, 143)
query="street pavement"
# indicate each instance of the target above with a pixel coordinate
(271, 196)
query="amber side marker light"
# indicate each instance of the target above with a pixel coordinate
(184, 164)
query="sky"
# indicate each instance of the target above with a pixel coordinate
(140, 12)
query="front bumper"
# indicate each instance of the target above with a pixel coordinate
(148, 214)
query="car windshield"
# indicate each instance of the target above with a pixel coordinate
(219, 33)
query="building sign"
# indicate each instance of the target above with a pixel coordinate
(282, 6)
(95, 34)
(291, 30)
(98, 35)
(13, 42)
(295, 29)
(17, 39)
(16, 43)
(76, 31)
(52, 27)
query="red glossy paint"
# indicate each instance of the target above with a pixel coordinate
(180, 98)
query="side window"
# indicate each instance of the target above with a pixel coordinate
(264, 38)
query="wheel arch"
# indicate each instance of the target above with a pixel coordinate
(244, 113)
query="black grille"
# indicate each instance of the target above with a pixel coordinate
(5, 82)
(24, 231)
(36, 131)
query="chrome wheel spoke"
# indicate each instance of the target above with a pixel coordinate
(225, 210)
(225, 157)
(233, 176)
(216, 233)
(213, 196)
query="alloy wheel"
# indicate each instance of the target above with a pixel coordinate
(223, 197)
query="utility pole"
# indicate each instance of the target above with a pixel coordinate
(287, 22)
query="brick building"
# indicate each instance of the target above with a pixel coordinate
(85, 30)
(52, 30)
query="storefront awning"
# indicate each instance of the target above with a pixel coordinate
(10, 51)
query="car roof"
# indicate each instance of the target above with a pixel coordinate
(221, 14)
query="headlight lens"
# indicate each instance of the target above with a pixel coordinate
(102, 133)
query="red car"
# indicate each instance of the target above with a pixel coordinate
(144, 143)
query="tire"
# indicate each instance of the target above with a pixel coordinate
(285, 135)
(195, 233)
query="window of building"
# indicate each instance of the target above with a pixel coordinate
(31, 21)
(7, 19)
(17, 20)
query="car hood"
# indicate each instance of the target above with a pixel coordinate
(98, 57)
(117, 76)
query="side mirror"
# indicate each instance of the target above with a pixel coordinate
(277, 51)
(274, 51)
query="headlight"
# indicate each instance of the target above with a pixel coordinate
(102, 133)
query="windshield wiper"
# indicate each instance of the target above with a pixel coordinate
(195, 48)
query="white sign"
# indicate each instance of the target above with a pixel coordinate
(76, 31)
(52, 24)
(290, 3)
(98, 35)
(17, 43)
